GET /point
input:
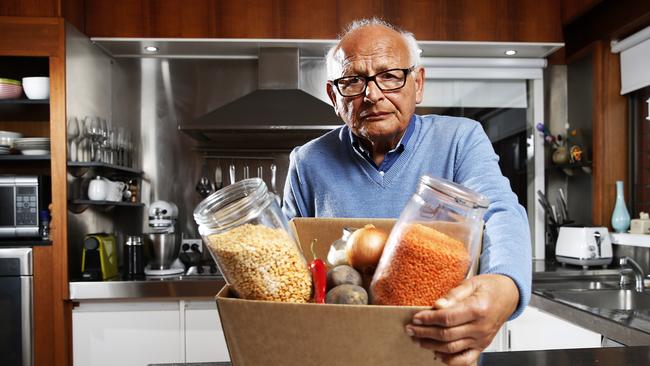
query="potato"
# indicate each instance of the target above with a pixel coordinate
(347, 295)
(343, 275)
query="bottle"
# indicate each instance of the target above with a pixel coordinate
(134, 258)
(620, 216)
(44, 229)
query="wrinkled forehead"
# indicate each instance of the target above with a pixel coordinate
(373, 46)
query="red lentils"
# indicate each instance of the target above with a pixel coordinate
(425, 265)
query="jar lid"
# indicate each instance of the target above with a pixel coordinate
(234, 204)
(460, 194)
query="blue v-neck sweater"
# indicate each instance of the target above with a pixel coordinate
(328, 177)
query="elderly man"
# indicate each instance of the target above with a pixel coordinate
(370, 167)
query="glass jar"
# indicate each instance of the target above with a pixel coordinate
(433, 246)
(247, 234)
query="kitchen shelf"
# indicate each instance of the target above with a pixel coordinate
(23, 242)
(570, 169)
(79, 206)
(78, 169)
(25, 157)
(24, 101)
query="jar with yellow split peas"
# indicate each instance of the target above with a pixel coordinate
(247, 234)
(433, 246)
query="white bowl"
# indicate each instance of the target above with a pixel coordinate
(37, 87)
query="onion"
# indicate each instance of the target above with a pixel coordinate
(364, 247)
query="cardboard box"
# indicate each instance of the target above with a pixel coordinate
(273, 333)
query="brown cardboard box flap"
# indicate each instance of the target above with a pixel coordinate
(271, 333)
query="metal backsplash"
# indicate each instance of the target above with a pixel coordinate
(150, 97)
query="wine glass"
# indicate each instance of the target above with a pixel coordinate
(72, 132)
(95, 133)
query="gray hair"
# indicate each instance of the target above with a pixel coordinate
(334, 66)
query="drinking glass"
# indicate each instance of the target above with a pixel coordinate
(72, 134)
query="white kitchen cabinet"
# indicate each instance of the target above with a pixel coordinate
(535, 329)
(204, 339)
(129, 333)
(126, 333)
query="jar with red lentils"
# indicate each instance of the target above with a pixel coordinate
(433, 246)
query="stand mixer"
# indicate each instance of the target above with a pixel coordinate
(163, 240)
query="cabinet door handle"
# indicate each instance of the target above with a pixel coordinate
(509, 340)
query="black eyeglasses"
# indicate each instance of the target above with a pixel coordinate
(389, 80)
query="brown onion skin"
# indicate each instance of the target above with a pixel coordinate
(364, 247)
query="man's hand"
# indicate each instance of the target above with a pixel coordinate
(463, 322)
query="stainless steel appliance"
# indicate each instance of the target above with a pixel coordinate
(19, 206)
(162, 240)
(16, 274)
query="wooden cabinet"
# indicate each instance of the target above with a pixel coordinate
(43, 38)
(204, 338)
(108, 333)
(440, 20)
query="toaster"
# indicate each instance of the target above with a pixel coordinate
(584, 246)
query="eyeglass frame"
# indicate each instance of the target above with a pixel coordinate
(368, 79)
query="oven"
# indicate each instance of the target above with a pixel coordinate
(16, 316)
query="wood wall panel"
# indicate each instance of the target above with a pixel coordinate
(245, 19)
(30, 8)
(187, 19)
(115, 18)
(313, 19)
(27, 36)
(572, 9)
(74, 12)
(457, 20)
(610, 133)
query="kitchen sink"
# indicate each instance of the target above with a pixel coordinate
(622, 299)
(575, 285)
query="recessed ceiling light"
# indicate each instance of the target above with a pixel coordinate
(151, 48)
(510, 52)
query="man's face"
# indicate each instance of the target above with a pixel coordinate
(377, 116)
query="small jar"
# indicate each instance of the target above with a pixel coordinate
(247, 234)
(134, 258)
(433, 246)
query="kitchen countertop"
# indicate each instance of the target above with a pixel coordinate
(167, 287)
(628, 327)
(613, 356)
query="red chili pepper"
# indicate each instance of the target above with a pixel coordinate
(319, 276)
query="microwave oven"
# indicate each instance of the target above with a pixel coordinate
(20, 202)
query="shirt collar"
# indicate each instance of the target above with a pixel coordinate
(401, 144)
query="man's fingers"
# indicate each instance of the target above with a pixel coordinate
(444, 334)
(447, 347)
(462, 313)
(456, 295)
(463, 358)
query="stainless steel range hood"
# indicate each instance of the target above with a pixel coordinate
(277, 115)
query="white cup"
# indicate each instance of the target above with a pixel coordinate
(97, 189)
(37, 87)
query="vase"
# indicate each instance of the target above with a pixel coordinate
(620, 216)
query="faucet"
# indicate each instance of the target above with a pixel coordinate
(629, 263)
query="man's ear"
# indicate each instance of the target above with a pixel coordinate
(332, 94)
(419, 84)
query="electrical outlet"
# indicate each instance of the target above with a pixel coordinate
(189, 242)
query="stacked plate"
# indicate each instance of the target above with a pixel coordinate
(4, 150)
(7, 138)
(33, 145)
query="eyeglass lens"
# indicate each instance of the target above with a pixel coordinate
(386, 81)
